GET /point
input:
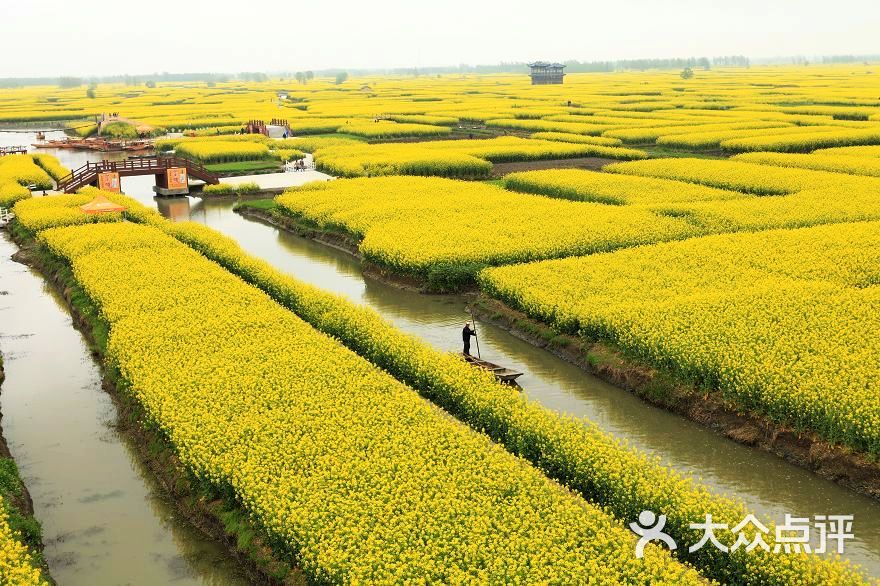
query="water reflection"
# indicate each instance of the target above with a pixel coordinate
(174, 208)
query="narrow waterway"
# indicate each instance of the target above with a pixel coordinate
(104, 519)
(766, 483)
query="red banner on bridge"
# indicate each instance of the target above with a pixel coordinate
(109, 181)
(177, 178)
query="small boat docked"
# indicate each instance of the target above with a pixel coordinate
(503, 374)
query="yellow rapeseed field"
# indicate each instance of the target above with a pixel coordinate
(415, 224)
(266, 406)
(455, 158)
(18, 172)
(780, 322)
(577, 453)
(614, 189)
(16, 563)
(853, 165)
(369, 484)
(221, 151)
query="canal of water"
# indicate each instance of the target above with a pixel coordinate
(104, 519)
(764, 482)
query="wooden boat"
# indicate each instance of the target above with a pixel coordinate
(64, 143)
(96, 144)
(137, 146)
(503, 374)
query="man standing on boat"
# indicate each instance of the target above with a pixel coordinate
(466, 334)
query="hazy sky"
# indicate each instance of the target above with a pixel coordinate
(93, 37)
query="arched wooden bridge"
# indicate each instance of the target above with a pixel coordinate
(157, 165)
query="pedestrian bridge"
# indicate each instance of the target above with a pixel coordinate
(158, 165)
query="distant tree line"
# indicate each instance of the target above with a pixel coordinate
(134, 80)
(731, 61)
(304, 76)
(572, 66)
(253, 76)
(849, 58)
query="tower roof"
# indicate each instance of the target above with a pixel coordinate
(545, 64)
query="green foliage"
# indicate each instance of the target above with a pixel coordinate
(451, 277)
(69, 82)
(260, 204)
(11, 491)
(119, 130)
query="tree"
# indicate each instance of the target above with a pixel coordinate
(687, 73)
(731, 61)
(90, 93)
(341, 77)
(253, 76)
(300, 77)
(68, 82)
(310, 75)
(150, 84)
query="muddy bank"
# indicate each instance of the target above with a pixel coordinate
(220, 519)
(836, 463)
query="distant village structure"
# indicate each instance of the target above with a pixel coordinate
(544, 73)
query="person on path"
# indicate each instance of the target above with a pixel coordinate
(466, 334)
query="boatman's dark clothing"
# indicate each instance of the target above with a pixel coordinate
(466, 334)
